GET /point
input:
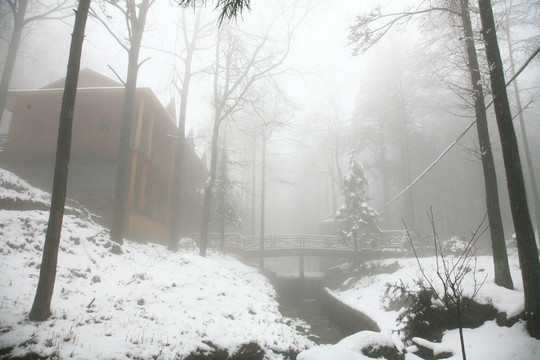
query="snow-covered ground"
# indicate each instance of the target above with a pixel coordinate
(144, 303)
(148, 303)
(488, 341)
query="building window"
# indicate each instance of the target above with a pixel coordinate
(105, 125)
(38, 126)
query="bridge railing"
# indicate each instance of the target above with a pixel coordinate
(295, 241)
(387, 239)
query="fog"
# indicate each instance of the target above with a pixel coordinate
(319, 104)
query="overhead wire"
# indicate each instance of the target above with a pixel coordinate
(449, 147)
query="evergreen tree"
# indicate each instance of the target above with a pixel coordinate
(355, 217)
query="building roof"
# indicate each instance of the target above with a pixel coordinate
(87, 78)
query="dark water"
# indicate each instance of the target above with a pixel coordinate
(302, 299)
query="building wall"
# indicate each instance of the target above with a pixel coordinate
(31, 146)
(34, 125)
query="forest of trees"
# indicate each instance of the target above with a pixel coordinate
(431, 73)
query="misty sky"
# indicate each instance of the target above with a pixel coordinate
(322, 77)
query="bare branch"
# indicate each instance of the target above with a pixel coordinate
(230, 9)
(117, 76)
(362, 36)
(108, 28)
(45, 16)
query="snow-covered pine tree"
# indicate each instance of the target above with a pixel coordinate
(355, 217)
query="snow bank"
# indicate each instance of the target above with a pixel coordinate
(488, 341)
(15, 189)
(143, 303)
(349, 348)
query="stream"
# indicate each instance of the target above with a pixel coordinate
(305, 299)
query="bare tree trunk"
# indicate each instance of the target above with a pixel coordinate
(47, 274)
(263, 197)
(385, 186)
(498, 245)
(532, 176)
(253, 184)
(122, 171)
(18, 25)
(405, 155)
(461, 337)
(208, 189)
(176, 198)
(223, 180)
(528, 252)
(207, 205)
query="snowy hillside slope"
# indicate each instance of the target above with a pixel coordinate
(140, 302)
(14, 190)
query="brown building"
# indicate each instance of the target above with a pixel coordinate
(30, 148)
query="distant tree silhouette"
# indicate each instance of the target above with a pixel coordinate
(368, 30)
(19, 9)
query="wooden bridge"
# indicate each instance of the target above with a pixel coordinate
(305, 245)
(301, 245)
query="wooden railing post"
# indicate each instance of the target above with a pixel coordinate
(301, 267)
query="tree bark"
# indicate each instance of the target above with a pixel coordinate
(461, 337)
(47, 275)
(213, 156)
(253, 184)
(498, 245)
(527, 250)
(263, 197)
(176, 198)
(405, 154)
(222, 194)
(122, 171)
(18, 25)
(208, 188)
(532, 176)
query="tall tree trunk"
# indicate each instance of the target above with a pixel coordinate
(498, 245)
(263, 197)
(207, 205)
(223, 180)
(18, 25)
(385, 186)
(209, 187)
(253, 184)
(405, 154)
(122, 171)
(47, 274)
(528, 252)
(176, 198)
(333, 181)
(532, 176)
